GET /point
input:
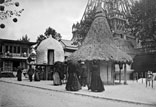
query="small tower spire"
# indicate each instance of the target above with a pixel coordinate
(99, 11)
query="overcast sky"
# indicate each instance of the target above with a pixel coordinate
(41, 14)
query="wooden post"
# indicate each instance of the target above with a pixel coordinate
(46, 71)
(107, 72)
(113, 71)
(120, 67)
(152, 82)
(137, 76)
(21, 50)
(152, 79)
(142, 76)
(120, 76)
(146, 78)
(125, 74)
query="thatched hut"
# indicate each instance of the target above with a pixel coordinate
(99, 45)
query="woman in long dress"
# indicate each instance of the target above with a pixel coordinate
(36, 75)
(19, 74)
(83, 76)
(96, 82)
(56, 76)
(31, 72)
(73, 83)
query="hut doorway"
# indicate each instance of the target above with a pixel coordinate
(50, 57)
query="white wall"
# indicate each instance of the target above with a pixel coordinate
(106, 75)
(128, 69)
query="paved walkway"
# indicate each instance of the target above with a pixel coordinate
(134, 92)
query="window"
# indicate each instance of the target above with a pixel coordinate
(6, 48)
(10, 49)
(7, 66)
(24, 50)
(0, 47)
(14, 49)
(18, 49)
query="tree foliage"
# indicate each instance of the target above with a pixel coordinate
(49, 32)
(143, 19)
(25, 38)
(83, 27)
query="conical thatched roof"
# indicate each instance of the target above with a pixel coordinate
(99, 44)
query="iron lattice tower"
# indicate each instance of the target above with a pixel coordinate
(115, 11)
(121, 6)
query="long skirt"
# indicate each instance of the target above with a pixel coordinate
(73, 83)
(83, 81)
(96, 84)
(19, 76)
(56, 79)
(36, 77)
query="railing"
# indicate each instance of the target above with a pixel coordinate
(5, 55)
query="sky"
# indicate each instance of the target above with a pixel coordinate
(38, 15)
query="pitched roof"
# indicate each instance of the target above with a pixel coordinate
(16, 41)
(68, 44)
(99, 44)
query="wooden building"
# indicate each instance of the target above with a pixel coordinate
(68, 47)
(13, 53)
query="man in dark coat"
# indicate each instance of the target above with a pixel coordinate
(30, 72)
(19, 73)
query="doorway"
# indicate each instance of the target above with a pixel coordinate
(51, 57)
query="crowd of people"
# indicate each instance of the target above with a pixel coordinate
(74, 74)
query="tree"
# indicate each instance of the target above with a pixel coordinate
(58, 36)
(25, 38)
(84, 26)
(142, 19)
(49, 32)
(40, 38)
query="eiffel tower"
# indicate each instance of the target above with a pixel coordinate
(116, 12)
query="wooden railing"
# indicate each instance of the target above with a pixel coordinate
(14, 55)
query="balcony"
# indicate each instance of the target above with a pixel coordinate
(14, 55)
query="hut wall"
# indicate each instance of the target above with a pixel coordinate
(42, 57)
(49, 44)
(106, 72)
(128, 74)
